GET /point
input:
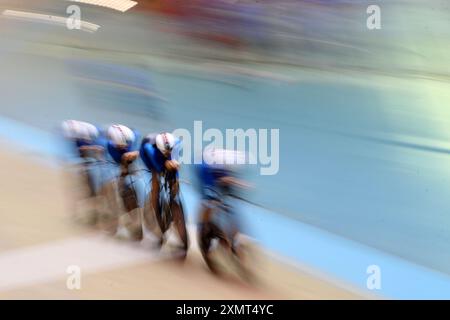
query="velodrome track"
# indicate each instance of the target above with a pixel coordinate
(38, 241)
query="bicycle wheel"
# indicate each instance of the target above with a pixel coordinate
(151, 221)
(177, 214)
(213, 244)
(243, 258)
(132, 212)
(129, 198)
(165, 212)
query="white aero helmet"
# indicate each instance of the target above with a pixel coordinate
(223, 158)
(73, 129)
(165, 142)
(120, 135)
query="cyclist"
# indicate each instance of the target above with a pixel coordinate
(217, 175)
(122, 148)
(160, 152)
(85, 137)
(87, 140)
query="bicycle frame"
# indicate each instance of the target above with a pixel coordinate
(165, 196)
(221, 209)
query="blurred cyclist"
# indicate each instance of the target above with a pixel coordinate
(122, 146)
(87, 141)
(86, 138)
(217, 177)
(159, 152)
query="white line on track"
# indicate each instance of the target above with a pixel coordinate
(49, 19)
(46, 262)
(92, 252)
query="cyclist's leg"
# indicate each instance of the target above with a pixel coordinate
(110, 207)
(80, 195)
(111, 203)
(205, 236)
(203, 230)
(128, 191)
(233, 231)
(132, 218)
(154, 199)
(121, 179)
(209, 229)
(150, 220)
(87, 168)
(178, 214)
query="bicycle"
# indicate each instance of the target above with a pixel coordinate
(171, 211)
(120, 201)
(220, 237)
(85, 192)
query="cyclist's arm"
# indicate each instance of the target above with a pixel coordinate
(95, 149)
(229, 180)
(92, 148)
(171, 165)
(126, 159)
(129, 157)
